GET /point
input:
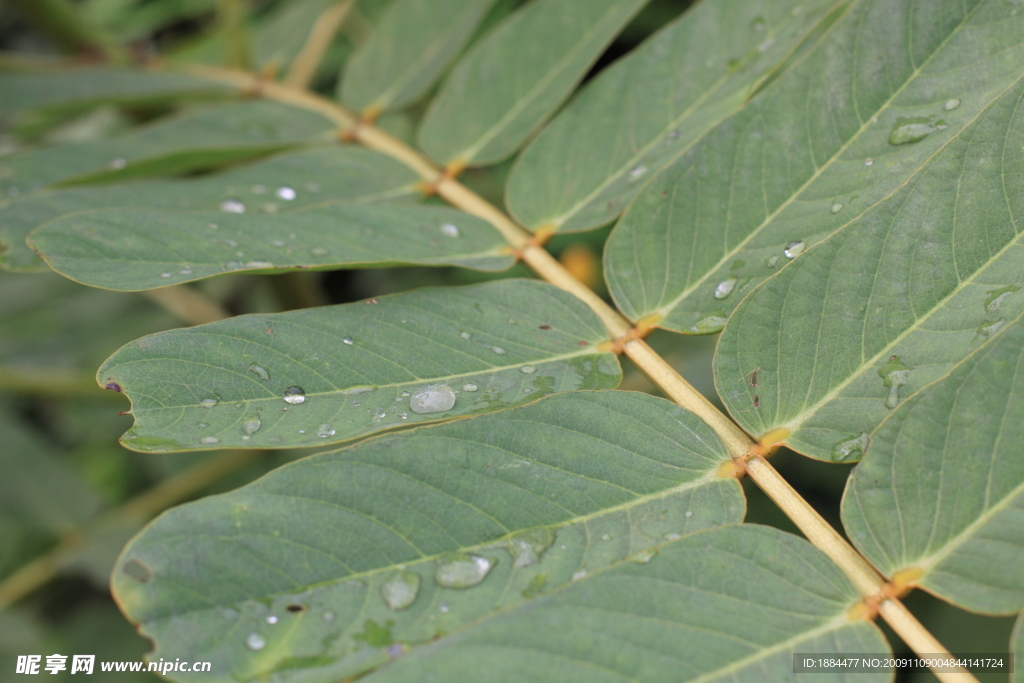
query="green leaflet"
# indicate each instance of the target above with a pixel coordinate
(291, 577)
(408, 51)
(941, 488)
(499, 93)
(919, 281)
(324, 375)
(316, 176)
(136, 249)
(810, 154)
(642, 112)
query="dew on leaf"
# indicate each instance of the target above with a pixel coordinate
(255, 642)
(443, 607)
(794, 249)
(461, 570)
(202, 425)
(348, 340)
(869, 162)
(894, 375)
(259, 371)
(836, 208)
(581, 574)
(526, 547)
(449, 230)
(469, 386)
(527, 369)
(251, 425)
(165, 274)
(951, 104)
(996, 297)
(318, 251)
(637, 172)
(210, 401)
(286, 193)
(644, 556)
(771, 261)
(432, 398)
(688, 514)
(606, 537)
(465, 335)
(117, 163)
(913, 129)
(294, 395)
(232, 206)
(325, 430)
(401, 589)
(725, 287)
(850, 449)
(209, 440)
(989, 328)
(498, 350)
(709, 325)
(271, 619)
(328, 616)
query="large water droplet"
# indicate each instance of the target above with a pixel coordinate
(850, 449)
(286, 193)
(432, 398)
(913, 129)
(210, 401)
(251, 425)
(461, 570)
(255, 642)
(294, 395)
(996, 297)
(209, 440)
(709, 325)
(725, 287)
(951, 104)
(232, 206)
(449, 230)
(259, 371)
(401, 589)
(794, 249)
(894, 375)
(325, 430)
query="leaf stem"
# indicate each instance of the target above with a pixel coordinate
(44, 568)
(919, 639)
(303, 67)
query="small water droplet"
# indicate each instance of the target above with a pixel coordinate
(294, 395)
(794, 249)
(259, 371)
(894, 374)
(836, 208)
(251, 425)
(443, 607)
(271, 619)
(771, 261)
(996, 297)
(913, 129)
(869, 162)
(255, 642)
(209, 440)
(210, 401)
(286, 193)
(526, 547)
(348, 340)
(709, 325)
(461, 570)
(469, 386)
(318, 251)
(137, 570)
(581, 574)
(432, 398)
(187, 270)
(165, 274)
(989, 328)
(449, 230)
(118, 163)
(673, 536)
(325, 430)
(644, 556)
(725, 287)
(379, 413)
(527, 369)
(850, 448)
(202, 425)
(232, 206)
(401, 589)
(951, 104)
(498, 350)
(465, 335)
(637, 172)
(606, 537)
(404, 416)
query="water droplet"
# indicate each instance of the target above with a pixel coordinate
(869, 162)
(271, 619)
(836, 208)
(725, 287)
(209, 440)
(913, 129)
(527, 369)
(294, 395)
(118, 163)
(606, 537)
(259, 371)
(318, 251)
(526, 547)
(328, 616)
(673, 536)
(286, 193)
(794, 249)
(469, 386)
(202, 425)
(951, 104)
(689, 513)
(637, 173)
(187, 270)
(379, 413)
(232, 206)
(325, 430)
(644, 556)
(581, 574)
(210, 401)
(498, 350)
(894, 375)
(401, 589)
(461, 570)
(165, 274)
(771, 261)
(251, 425)
(348, 340)
(709, 325)
(449, 230)
(404, 416)
(850, 449)
(255, 642)
(465, 335)
(443, 607)
(432, 398)
(990, 328)
(996, 297)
